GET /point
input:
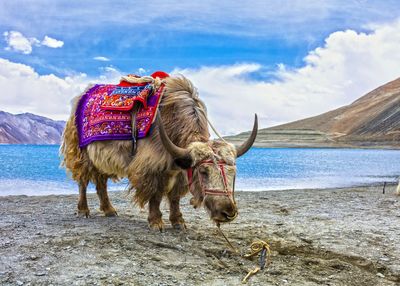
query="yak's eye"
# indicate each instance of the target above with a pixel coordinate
(203, 172)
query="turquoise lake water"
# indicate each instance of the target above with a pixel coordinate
(34, 170)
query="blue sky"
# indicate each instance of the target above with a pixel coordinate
(268, 47)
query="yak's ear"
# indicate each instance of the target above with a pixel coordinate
(184, 162)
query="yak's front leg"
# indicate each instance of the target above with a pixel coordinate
(175, 215)
(155, 215)
(174, 197)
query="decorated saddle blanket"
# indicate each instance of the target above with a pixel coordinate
(104, 112)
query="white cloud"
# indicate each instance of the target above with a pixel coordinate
(141, 71)
(348, 65)
(102, 59)
(52, 43)
(24, 90)
(16, 41)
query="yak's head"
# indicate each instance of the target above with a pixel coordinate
(211, 172)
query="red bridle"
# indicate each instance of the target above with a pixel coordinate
(226, 191)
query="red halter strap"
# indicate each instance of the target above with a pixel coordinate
(216, 192)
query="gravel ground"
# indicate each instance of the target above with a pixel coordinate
(317, 237)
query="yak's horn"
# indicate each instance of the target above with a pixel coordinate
(175, 151)
(240, 150)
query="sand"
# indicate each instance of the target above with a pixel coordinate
(317, 237)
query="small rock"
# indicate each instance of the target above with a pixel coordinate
(380, 275)
(40, 274)
(284, 281)
(33, 257)
(384, 259)
(19, 283)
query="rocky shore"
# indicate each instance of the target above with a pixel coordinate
(317, 237)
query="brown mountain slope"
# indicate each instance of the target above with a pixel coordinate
(371, 121)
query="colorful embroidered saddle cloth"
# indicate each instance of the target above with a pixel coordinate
(104, 112)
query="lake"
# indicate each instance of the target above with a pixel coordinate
(34, 169)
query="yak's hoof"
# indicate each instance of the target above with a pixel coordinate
(157, 226)
(109, 212)
(179, 226)
(178, 223)
(83, 213)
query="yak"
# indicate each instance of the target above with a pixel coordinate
(177, 157)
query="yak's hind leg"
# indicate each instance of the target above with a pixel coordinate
(101, 189)
(83, 209)
(178, 190)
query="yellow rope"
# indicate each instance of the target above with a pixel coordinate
(255, 248)
(227, 240)
(251, 272)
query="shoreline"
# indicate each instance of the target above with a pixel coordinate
(346, 236)
(271, 145)
(114, 190)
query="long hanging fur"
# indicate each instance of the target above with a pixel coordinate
(152, 168)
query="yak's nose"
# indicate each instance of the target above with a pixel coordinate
(230, 215)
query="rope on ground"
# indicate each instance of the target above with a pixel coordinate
(227, 240)
(255, 248)
(265, 257)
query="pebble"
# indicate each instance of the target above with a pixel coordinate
(380, 275)
(40, 274)
(19, 283)
(384, 259)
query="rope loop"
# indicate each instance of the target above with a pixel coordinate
(255, 248)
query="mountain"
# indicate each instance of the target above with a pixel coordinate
(371, 121)
(28, 128)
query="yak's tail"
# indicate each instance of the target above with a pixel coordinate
(72, 157)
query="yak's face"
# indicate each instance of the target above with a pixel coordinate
(213, 179)
(211, 172)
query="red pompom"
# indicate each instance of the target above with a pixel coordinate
(159, 74)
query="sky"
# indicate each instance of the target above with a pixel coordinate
(284, 60)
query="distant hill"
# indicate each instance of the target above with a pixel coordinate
(371, 121)
(28, 128)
